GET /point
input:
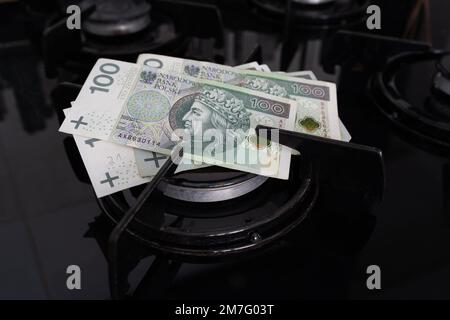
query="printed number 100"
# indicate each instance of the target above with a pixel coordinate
(104, 80)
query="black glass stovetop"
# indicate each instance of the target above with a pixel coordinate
(50, 219)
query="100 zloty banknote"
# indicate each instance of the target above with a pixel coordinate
(142, 107)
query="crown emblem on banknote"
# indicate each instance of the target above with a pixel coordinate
(148, 77)
(265, 85)
(192, 70)
(227, 105)
(309, 124)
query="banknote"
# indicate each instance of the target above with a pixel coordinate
(111, 167)
(248, 66)
(307, 74)
(345, 134)
(214, 71)
(317, 102)
(149, 162)
(303, 74)
(115, 104)
(264, 68)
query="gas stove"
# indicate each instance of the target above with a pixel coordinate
(214, 233)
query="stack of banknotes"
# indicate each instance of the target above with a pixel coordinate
(129, 117)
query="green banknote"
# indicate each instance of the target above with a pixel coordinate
(317, 112)
(149, 162)
(155, 109)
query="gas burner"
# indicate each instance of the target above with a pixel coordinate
(117, 18)
(313, 14)
(161, 34)
(141, 30)
(210, 185)
(313, 2)
(165, 29)
(183, 225)
(413, 91)
(251, 212)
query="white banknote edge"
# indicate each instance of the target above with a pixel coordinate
(248, 66)
(96, 167)
(264, 68)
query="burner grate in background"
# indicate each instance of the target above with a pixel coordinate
(314, 14)
(165, 27)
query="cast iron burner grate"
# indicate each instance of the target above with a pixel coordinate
(408, 81)
(193, 231)
(221, 228)
(422, 111)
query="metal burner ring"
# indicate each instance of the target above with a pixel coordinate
(211, 193)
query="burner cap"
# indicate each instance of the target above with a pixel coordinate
(118, 17)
